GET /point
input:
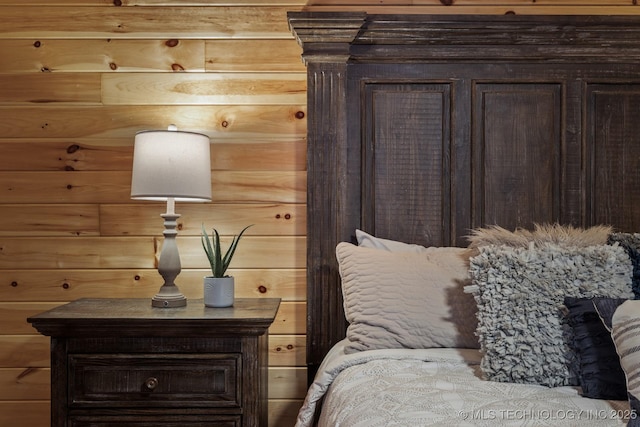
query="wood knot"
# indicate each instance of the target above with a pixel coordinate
(72, 148)
(299, 115)
(172, 42)
(117, 2)
(26, 373)
(113, 66)
(446, 2)
(177, 67)
(262, 289)
(14, 284)
(37, 43)
(66, 286)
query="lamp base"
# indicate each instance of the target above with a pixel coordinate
(169, 295)
(164, 301)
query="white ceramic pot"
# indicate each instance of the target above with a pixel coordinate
(218, 291)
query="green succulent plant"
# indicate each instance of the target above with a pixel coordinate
(212, 249)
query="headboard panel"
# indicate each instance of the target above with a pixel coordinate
(421, 128)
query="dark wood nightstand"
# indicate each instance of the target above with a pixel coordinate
(122, 362)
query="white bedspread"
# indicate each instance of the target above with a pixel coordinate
(439, 387)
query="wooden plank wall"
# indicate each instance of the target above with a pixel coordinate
(78, 78)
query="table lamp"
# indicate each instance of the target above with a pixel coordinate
(171, 165)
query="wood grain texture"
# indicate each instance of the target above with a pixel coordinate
(204, 89)
(514, 193)
(45, 88)
(110, 3)
(115, 187)
(253, 55)
(59, 56)
(33, 386)
(228, 219)
(24, 350)
(391, 169)
(25, 383)
(223, 122)
(49, 220)
(289, 321)
(106, 220)
(13, 316)
(283, 412)
(68, 284)
(104, 154)
(32, 350)
(142, 252)
(392, 4)
(100, 56)
(613, 141)
(102, 317)
(286, 383)
(36, 413)
(287, 350)
(145, 22)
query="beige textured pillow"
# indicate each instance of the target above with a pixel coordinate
(405, 299)
(368, 241)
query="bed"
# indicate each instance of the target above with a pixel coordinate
(425, 129)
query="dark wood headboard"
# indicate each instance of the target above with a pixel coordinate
(423, 127)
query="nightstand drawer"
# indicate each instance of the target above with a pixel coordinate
(144, 421)
(155, 380)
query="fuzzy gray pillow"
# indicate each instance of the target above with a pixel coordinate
(520, 291)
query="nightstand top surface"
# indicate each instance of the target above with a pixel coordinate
(137, 316)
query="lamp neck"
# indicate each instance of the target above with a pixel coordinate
(171, 205)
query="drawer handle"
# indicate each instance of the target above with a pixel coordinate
(151, 383)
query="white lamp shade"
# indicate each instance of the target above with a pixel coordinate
(171, 164)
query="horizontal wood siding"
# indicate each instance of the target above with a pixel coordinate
(79, 78)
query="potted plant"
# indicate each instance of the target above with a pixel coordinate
(219, 287)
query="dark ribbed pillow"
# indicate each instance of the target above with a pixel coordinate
(600, 375)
